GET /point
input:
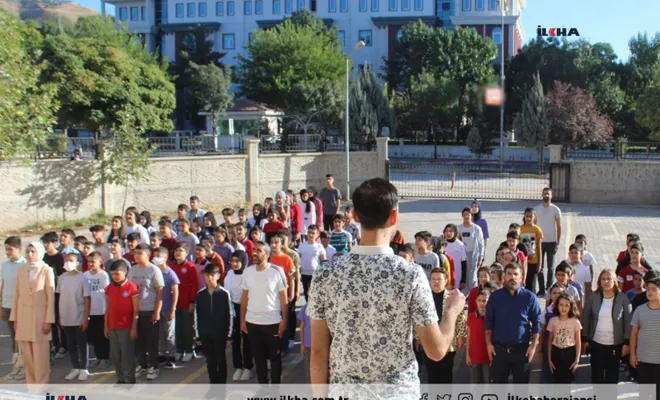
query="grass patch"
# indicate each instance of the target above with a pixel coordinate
(58, 224)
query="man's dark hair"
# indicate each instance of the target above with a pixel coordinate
(97, 228)
(194, 198)
(80, 239)
(183, 207)
(581, 237)
(324, 235)
(144, 247)
(182, 245)
(466, 210)
(564, 267)
(211, 269)
(13, 241)
(162, 250)
(637, 246)
(69, 232)
(119, 241)
(492, 285)
(337, 217)
(119, 265)
(514, 225)
(514, 265)
(329, 176)
(49, 237)
(424, 235)
(165, 223)
(407, 248)
(575, 246)
(373, 202)
(513, 235)
(95, 255)
(133, 237)
(204, 246)
(546, 189)
(438, 242)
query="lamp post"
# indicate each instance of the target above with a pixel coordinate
(502, 10)
(358, 46)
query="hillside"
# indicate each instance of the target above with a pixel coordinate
(40, 11)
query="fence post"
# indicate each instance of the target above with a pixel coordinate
(252, 175)
(383, 157)
(555, 153)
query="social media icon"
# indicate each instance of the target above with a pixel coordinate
(425, 396)
(445, 397)
(489, 397)
(465, 396)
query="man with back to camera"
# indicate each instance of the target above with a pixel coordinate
(372, 340)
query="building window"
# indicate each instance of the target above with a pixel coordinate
(258, 7)
(312, 5)
(374, 5)
(399, 34)
(247, 7)
(219, 9)
(342, 38)
(467, 5)
(301, 5)
(496, 35)
(393, 5)
(365, 36)
(479, 5)
(419, 5)
(123, 14)
(228, 41)
(276, 6)
(179, 10)
(288, 6)
(202, 9)
(332, 6)
(143, 13)
(134, 13)
(446, 6)
(363, 5)
(405, 5)
(191, 10)
(343, 5)
(492, 4)
(231, 9)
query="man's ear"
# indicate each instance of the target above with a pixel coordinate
(393, 220)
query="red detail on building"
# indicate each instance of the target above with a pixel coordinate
(392, 31)
(517, 41)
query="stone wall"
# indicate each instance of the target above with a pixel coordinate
(613, 182)
(68, 190)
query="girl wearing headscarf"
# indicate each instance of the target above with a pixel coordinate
(241, 354)
(282, 208)
(457, 250)
(308, 212)
(258, 218)
(210, 224)
(145, 221)
(479, 220)
(33, 313)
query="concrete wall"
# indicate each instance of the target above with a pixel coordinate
(462, 152)
(611, 182)
(69, 190)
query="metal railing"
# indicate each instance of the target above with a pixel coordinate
(295, 143)
(615, 150)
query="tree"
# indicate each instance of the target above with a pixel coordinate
(210, 85)
(27, 108)
(363, 116)
(478, 144)
(412, 55)
(531, 125)
(573, 116)
(98, 81)
(648, 104)
(375, 98)
(278, 59)
(311, 103)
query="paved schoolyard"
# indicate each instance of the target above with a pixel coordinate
(604, 226)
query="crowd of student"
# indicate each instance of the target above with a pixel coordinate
(148, 296)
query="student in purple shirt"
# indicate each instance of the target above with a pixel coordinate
(306, 343)
(222, 246)
(166, 347)
(479, 220)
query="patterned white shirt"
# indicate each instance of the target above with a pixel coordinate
(372, 300)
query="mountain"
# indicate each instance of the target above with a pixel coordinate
(38, 10)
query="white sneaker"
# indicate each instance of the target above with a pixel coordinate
(84, 374)
(187, 357)
(20, 375)
(104, 364)
(139, 371)
(12, 375)
(247, 375)
(152, 373)
(72, 375)
(268, 364)
(291, 344)
(61, 353)
(237, 374)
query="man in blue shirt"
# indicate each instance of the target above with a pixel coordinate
(513, 324)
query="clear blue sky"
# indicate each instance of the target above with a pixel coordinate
(611, 21)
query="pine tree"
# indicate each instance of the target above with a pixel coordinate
(531, 124)
(370, 109)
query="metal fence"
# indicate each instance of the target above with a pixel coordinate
(485, 180)
(615, 150)
(312, 143)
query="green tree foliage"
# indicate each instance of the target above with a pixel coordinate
(210, 86)
(531, 124)
(574, 117)
(478, 143)
(287, 55)
(26, 107)
(314, 104)
(647, 106)
(375, 98)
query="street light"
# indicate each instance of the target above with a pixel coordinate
(348, 56)
(502, 10)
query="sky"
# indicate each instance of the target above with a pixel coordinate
(611, 21)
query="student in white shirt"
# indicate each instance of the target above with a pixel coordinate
(263, 300)
(312, 254)
(308, 210)
(8, 273)
(587, 258)
(581, 273)
(132, 218)
(473, 238)
(458, 252)
(330, 251)
(98, 280)
(240, 344)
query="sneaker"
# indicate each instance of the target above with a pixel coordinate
(246, 375)
(139, 371)
(95, 364)
(152, 373)
(12, 375)
(104, 364)
(162, 359)
(20, 375)
(61, 353)
(170, 364)
(268, 364)
(84, 374)
(291, 344)
(187, 357)
(72, 375)
(237, 374)
(178, 356)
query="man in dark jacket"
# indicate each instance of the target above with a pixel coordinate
(214, 319)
